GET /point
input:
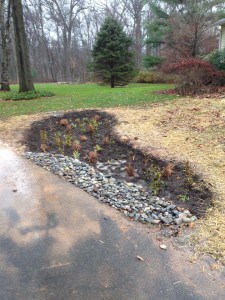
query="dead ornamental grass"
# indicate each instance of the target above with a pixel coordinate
(193, 130)
(185, 129)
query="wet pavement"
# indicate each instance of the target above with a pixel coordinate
(57, 242)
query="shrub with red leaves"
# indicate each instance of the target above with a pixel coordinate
(196, 76)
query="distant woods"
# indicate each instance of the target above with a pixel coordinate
(61, 34)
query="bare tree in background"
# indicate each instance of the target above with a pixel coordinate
(65, 15)
(23, 63)
(5, 43)
(136, 9)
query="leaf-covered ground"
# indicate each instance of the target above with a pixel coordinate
(193, 130)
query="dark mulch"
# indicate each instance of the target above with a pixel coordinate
(183, 187)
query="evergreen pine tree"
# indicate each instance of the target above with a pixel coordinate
(112, 58)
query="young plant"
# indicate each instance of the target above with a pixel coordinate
(69, 128)
(85, 120)
(130, 170)
(98, 148)
(106, 140)
(83, 138)
(145, 162)
(68, 140)
(189, 175)
(97, 118)
(44, 147)
(156, 179)
(90, 128)
(76, 154)
(83, 127)
(59, 143)
(94, 124)
(63, 122)
(76, 146)
(168, 170)
(77, 121)
(183, 198)
(44, 137)
(93, 157)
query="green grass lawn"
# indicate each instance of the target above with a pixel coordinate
(83, 96)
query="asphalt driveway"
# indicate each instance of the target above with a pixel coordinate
(57, 242)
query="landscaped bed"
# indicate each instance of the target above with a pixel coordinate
(89, 136)
(182, 130)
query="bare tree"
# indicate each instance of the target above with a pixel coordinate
(65, 14)
(137, 10)
(5, 43)
(24, 70)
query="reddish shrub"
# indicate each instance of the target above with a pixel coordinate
(196, 76)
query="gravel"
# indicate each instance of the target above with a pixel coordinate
(132, 199)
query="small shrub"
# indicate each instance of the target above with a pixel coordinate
(90, 128)
(59, 143)
(44, 147)
(189, 175)
(69, 128)
(168, 170)
(93, 157)
(156, 179)
(83, 138)
(217, 59)
(63, 122)
(76, 146)
(196, 76)
(83, 127)
(106, 140)
(130, 170)
(95, 122)
(98, 148)
(97, 118)
(153, 77)
(183, 198)
(16, 96)
(76, 154)
(43, 136)
(68, 140)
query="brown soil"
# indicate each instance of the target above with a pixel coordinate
(178, 184)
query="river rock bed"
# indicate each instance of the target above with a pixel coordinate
(132, 199)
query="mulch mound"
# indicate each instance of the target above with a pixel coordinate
(177, 181)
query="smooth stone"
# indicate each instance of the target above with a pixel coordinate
(178, 221)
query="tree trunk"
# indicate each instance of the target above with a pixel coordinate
(24, 70)
(112, 81)
(5, 36)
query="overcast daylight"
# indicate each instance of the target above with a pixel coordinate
(112, 149)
